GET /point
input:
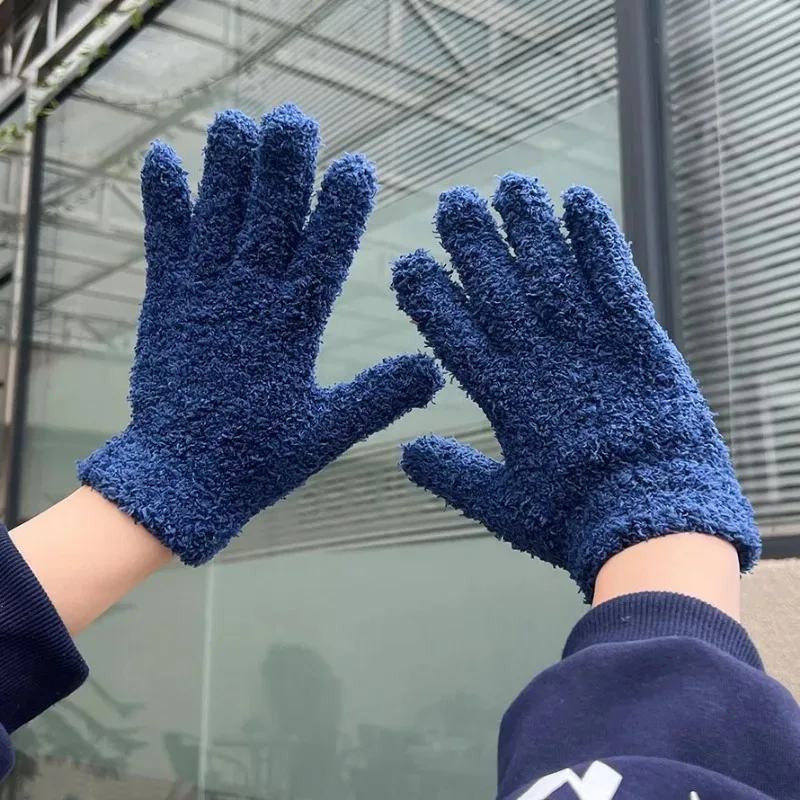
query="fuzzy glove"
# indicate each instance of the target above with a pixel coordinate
(227, 417)
(605, 436)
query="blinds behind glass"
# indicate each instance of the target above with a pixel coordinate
(735, 118)
(425, 87)
(363, 499)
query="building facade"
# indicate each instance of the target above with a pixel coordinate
(358, 640)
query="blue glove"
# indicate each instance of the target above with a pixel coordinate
(227, 417)
(605, 436)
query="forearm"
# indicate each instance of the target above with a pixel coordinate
(697, 565)
(87, 554)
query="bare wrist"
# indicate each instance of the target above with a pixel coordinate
(694, 564)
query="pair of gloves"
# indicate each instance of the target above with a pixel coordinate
(606, 439)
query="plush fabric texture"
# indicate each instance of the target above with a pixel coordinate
(227, 417)
(606, 439)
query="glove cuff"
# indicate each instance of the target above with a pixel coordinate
(160, 493)
(636, 504)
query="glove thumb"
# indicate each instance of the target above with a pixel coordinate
(462, 476)
(374, 399)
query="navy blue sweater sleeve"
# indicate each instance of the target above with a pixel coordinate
(39, 664)
(658, 697)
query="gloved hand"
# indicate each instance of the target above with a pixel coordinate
(227, 417)
(605, 436)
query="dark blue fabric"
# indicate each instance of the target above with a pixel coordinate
(227, 417)
(657, 779)
(670, 693)
(39, 664)
(605, 436)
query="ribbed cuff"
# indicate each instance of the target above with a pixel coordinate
(655, 615)
(40, 663)
(639, 503)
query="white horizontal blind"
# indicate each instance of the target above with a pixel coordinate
(361, 500)
(735, 119)
(425, 87)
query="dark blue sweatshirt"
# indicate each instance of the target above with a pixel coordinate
(658, 697)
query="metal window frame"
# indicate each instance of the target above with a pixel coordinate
(645, 152)
(779, 547)
(40, 75)
(22, 317)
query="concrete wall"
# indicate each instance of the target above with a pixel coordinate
(771, 606)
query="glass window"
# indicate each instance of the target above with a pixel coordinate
(358, 640)
(11, 198)
(736, 156)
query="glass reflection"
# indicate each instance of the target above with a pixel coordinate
(357, 641)
(376, 672)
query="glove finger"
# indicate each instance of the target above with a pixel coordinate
(374, 399)
(462, 476)
(439, 309)
(603, 253)
(224, 191)
(283, 181)
(483, 262)
(334, 229)
(545, 265)
(167, 205)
